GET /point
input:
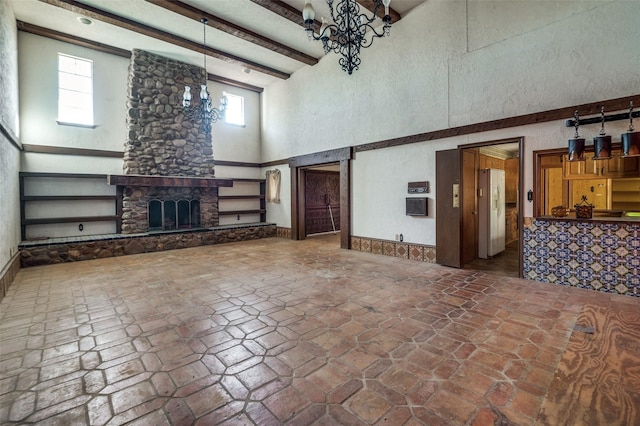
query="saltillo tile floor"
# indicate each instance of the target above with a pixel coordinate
(274, 332)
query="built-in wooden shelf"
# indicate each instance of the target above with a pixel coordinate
(68, 197)
(241, 197)
(236, 212)
(50, 220)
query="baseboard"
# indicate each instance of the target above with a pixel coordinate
(420, 252)
(8, 274)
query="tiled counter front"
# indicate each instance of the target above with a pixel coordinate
(603, 256)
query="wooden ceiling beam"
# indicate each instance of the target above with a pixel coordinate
(220, 24)
(112, 19)
(78, 41)
(371, 5)
(294, 15)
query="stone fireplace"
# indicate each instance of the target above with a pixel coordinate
(169, 181)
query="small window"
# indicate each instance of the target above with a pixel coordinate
(235, 109)
(75, 90)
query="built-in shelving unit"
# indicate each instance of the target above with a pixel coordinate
(47, 199)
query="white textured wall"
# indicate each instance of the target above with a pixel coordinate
(9, 154)
(448, 64)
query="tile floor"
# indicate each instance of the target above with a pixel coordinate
(274, 332)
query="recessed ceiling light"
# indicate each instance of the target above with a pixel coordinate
(84, 20)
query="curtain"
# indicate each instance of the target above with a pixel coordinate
(273, 186)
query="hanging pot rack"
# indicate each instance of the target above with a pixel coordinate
(612, 117)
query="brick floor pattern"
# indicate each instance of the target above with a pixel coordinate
(275, 332)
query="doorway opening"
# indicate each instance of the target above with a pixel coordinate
(320, 195)
(491, 213)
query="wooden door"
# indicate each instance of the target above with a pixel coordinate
(448, 208)
(469, 205)
(322, 201)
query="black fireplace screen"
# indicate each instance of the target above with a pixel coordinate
(166, 215)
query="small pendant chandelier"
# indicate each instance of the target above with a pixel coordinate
(204, 111)
(348, 33)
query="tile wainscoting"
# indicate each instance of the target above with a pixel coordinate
(410, 251)
(602, 256)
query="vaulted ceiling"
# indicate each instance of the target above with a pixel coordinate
(249, 43)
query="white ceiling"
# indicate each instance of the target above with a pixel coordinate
(243, 13)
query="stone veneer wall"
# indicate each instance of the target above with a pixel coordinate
(161, 140)
(595, 255)
(71, 250)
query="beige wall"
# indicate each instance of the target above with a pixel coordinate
(448, 64)
(9, 153)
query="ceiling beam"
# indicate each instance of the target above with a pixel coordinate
(71, 39)
(371, 5)
(294, 15)
(78, 41)
(112, 19)
(233, 29)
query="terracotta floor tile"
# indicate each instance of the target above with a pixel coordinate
(274, 331)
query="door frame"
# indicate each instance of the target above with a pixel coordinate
(297, 166)
(520, 141)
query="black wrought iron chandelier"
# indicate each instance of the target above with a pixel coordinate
(348, 34)
(204, 111)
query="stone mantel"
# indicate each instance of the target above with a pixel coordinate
(168, 181)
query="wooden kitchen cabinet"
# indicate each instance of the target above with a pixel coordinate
(597, 191)
(615, 167)
(620, 167)
(511, 174)
(583, 169)
(487, 162)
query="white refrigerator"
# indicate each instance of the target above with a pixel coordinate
(491, 211)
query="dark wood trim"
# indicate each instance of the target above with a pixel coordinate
(234, 83)
(61, 150)
(275, 163)
(63, 175)
(23, 228)
(242, 197)
(370, 6)
(11, 137)
(223, 25)
(289, 13)
(294, 15)
(68, 197)
(345, 204)
(295, 201)
(263, 201)
(324, 157)
(137, 27)
(236, 164)
(71, 39)
(168, 181)
(48, 220)
(246, 180)
(236, 212)
(77, 41)
(522, 120)
(119, 207)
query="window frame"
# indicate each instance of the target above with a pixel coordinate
(229, 97)
(74, 81)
